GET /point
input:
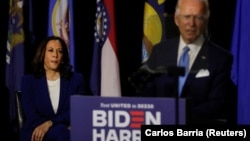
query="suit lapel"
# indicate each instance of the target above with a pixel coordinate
(63, 92)
(43, 91)
(201, 62)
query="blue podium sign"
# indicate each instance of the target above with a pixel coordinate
(95, 118)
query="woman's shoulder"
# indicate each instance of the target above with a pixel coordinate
(76, 75)
(30, 77)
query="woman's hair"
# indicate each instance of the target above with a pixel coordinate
(65, 67)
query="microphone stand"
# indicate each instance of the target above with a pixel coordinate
(144, 74)
(175, 72)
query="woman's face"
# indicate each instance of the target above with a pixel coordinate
(53, 55)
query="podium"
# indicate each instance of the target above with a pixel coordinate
(96, 118)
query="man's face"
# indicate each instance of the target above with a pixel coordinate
(191, 20)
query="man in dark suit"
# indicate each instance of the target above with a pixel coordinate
(207, 82)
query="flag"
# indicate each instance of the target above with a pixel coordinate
(241, 52)
(14, 53)
(105, 74)
(61, 24)
(153, 26)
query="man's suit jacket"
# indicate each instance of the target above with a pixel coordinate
(36, 103)
(208, 84)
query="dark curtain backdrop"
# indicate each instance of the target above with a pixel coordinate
(129, 16)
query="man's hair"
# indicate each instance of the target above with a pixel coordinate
(207, 11)
(206, 14)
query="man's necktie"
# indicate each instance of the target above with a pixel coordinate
(183, 62)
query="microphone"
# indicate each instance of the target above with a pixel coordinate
(144, 74)
(171, 70)
(158, 71)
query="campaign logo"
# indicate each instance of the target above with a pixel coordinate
(122, 124)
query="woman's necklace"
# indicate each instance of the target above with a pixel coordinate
(52, 83)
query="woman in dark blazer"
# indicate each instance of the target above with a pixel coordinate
(46, 94)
